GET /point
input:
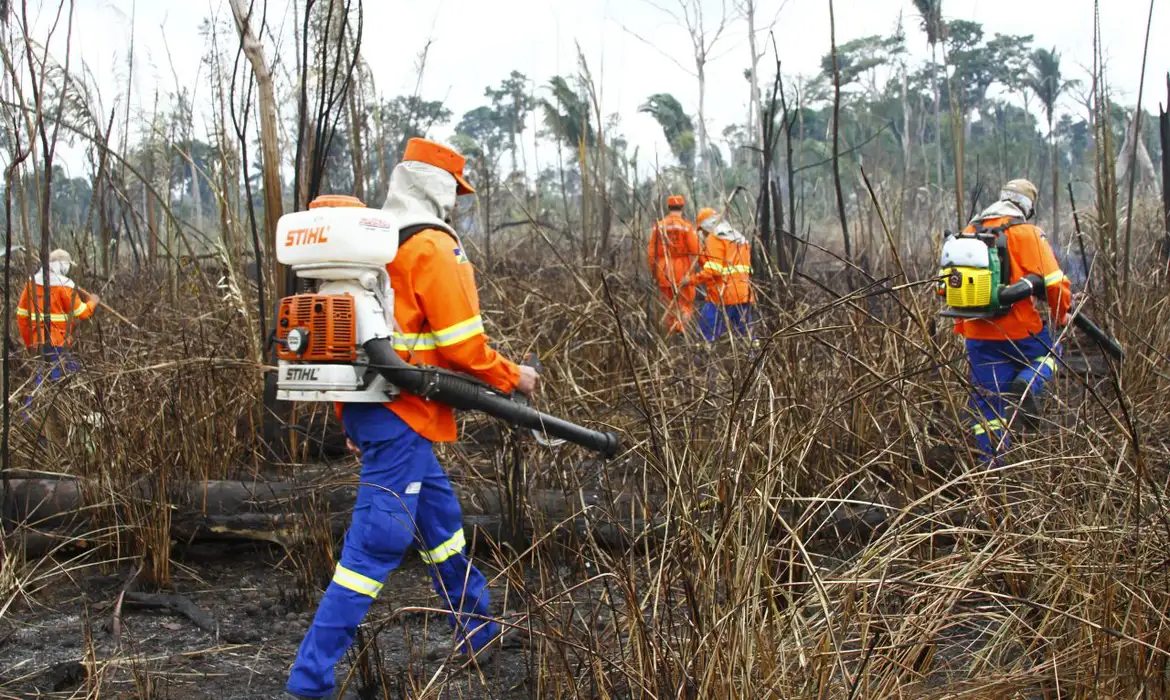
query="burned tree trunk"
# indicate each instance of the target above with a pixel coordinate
(270, 150)
(56, 514)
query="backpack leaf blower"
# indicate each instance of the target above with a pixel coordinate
(337, 344)
(974, 279)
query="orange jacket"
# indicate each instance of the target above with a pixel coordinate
(436, 308)
(727, 272)
(673, 250)
(65, 309)
(1029, 254)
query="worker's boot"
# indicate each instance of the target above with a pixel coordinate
(1030, 408)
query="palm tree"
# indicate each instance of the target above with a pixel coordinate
(1045, 81)
(936, 29)
(567, 115)
(676, 126)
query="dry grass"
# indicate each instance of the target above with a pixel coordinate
(1046, 577)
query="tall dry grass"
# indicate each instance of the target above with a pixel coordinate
(1044, 577)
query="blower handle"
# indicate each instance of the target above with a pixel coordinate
(467, 393)
(1107, 342)
(1033, 285)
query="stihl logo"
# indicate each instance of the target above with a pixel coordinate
(303, 374)
(306, 236)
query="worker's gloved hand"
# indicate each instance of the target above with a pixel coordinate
(95, 299)
(529, 380)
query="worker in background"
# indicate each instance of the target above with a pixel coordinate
(672, 253)
(1012, 357)
(67, 306)
(405, 498)
(727, 273)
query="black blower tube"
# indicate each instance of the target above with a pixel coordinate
(465, 393)
(1033, 285)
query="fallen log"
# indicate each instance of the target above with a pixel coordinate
(57, 514)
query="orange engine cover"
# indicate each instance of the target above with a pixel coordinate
(331, 322)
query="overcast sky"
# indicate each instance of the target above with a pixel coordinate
(476, 43)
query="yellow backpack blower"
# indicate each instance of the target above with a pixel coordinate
(336, 343)
(975, 280)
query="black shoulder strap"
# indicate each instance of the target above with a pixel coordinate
(1014, 221)
(407, 232)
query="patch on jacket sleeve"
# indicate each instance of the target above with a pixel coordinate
(459, 256)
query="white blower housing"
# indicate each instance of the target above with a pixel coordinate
(344, 247)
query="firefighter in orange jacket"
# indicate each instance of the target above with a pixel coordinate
(67, 306)
(672, 252)
(727, 274)
(1013, 356)
(405, 498)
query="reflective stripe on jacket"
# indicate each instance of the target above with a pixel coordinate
(66, 307)
(727, 272)
(1029, 254)
(436, 307)
(673, 250)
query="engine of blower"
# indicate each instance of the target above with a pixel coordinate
(342, 247)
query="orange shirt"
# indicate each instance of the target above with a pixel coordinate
(436, 307)
(673, 250)
(1029, 254)
(65, 309)
(727, 272)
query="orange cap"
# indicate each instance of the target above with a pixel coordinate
(676, 201)
(438, 155)
(704, 214)
(336, 200)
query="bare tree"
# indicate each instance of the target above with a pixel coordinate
(704, 38)
(836, 136)
(270, 150)
(748, 10)
(48, 139)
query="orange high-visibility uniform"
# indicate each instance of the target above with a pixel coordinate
(1029, 254)
(66, 307)
(436, 307)
(727, 272)
(672, 253)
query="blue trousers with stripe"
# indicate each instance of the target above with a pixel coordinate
(714, 320)
(404, 499)
(995, 364)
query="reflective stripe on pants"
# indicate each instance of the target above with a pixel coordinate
(994, 365)
(404, 500)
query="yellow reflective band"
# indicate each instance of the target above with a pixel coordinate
(459, 332)
(22, 312)
(356, 582)
(1049, 362)
(728, 269)
(445, 551)
(995, 426)
(56, 318)
(79, 309)
(1055, 278)
(412, 342)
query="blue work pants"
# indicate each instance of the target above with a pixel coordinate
(995, 365)
(404, 500)
(715, 320)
